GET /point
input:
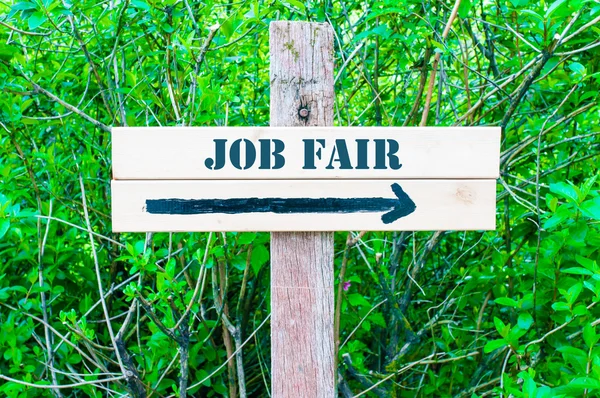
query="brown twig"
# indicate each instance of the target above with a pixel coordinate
(350, 242)
(378, 391)
(98, 275)
(59, 335)
(487, 52)
(422, 81)
(54, 386)
(436, 60)
(38, 89)
(134, 383)
(191, 101)
(23, 32)
(92, 65)
(219, 297)
(515, 101)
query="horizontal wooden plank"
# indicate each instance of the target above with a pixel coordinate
(167, 153)
(303, 205)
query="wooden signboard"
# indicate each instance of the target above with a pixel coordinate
(307, 179)
(304, 178)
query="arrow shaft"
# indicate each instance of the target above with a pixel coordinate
(268, 205)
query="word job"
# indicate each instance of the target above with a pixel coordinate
(243, 154)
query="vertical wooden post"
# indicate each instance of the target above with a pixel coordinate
(302, 347)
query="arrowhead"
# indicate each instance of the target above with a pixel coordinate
(403, 208)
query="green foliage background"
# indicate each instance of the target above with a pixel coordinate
(512, 312)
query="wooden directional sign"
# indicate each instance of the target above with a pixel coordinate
(304, 179)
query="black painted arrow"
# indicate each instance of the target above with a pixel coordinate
(397, 208)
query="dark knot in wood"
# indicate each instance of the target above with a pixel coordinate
(303, 113)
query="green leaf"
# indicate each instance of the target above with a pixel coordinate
(493, 345)
(553, 7)
(561, 306)
(259, 257)
(573, 292)
(168, 28)
(141, 5)
(356, 299)
(138, 248)
(577, 271)
(7, 53)
(209, 352)
(298, 4)
(464, 8)
(545, 392)
(4, 226)
(580, 310)
(587, 186)
(246, 237)
(565, 191)
(502, 329)
(381, 30)
(506, 301)
(587, 263)
(529, 386)
(366, 325)
(519, 3)
(239, 262)
(36, 20)
(170, 268)
(377, 319)
(593, 287)
(562, 213)
(577, 234)
(24, 5)
(591, 208)
(577, 68)
(160, 280)
(576, 386)
(589, 335)
(551, 202)
(525, 321)
(385, 11)
(533, 14)
(575, 356)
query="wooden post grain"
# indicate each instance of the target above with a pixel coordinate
(302, 347)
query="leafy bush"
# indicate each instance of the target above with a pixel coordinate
(511, 312)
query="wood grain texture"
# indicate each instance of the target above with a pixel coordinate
(440, 205)
(302, 351)
(425, 152)
(302, 315)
